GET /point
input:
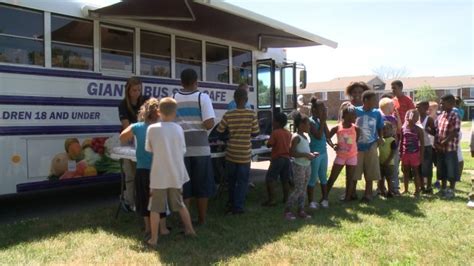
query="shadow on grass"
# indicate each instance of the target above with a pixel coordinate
(222, 238)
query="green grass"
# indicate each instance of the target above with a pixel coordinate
(399, 231)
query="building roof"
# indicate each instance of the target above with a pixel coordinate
(409, 83)
(336, 84)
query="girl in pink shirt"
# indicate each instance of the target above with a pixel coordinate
(346, 149)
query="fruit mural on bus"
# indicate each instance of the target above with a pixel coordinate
(89, 158)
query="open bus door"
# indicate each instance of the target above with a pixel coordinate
(276, 90)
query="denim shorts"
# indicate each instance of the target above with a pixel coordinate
(201, 182)
(427, 163)
(448, 165)
(279, 167)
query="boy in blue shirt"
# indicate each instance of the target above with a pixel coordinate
(370, 122)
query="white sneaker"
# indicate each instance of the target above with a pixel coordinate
(325, 204)
(314, 205)
(470, 204)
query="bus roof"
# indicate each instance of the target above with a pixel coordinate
(216, 19)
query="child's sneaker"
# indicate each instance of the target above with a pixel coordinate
(289, 216)
(449, 194)
(470, 204)
(303, 215)
(325, 204)
(313, 205)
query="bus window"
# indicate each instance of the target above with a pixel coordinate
(72, 43)
(155, 54)
(264, 84)
(188, 55)
(217, 63)
(241, 66)
(287, 82)
(21, 36)
(116, 48)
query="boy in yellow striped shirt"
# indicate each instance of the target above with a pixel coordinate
(242, 125)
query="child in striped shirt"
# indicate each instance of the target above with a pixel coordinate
(242, 125)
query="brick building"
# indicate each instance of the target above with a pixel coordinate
(333, 92)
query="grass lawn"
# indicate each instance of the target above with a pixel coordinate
(403, 230)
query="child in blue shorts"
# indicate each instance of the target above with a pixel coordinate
(319, 166)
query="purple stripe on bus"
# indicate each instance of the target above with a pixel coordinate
(50, 130)
(43, 185)
(99, 76)
(60, 101)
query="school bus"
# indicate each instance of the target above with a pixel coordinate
(63, 67)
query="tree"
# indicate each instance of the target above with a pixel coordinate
(387, 72)
(425, 93)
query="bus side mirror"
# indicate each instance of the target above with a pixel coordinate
(302, 79)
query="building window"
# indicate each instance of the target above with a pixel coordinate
(241, 66)
(72, 43)
(188, 55)
(454, 92)
(116, 48)
(217, 63)
(155, 54)
(21, 36)
(343, 96)
(324, 96)
(471, 92)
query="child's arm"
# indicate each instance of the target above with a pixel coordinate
(401, 145)
(148, 147)
(317, 132)
(328, 139)
(255, 127)
(330, 135)
(399, 121)
(293, 153)
(422, 141)
(430, 126)
(380, 140)
(126, 135)
(358, 133)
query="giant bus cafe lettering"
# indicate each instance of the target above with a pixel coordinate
(116, 90)
(25, 115)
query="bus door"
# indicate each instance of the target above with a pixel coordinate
(276, 91)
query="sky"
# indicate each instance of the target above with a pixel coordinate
(426, 38)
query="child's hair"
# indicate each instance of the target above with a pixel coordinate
(367, 95)
(243, 85)
(424, 103)
(148, 110)
(315, 103)
(240, 95)
(298, 120)
(385, 103)
(68, 142)
(347, 109)
(188, 77)
(281, 119)
(410, 113)
(354, 85)
(448, 98)
(168, 106)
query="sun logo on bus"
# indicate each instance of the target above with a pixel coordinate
(16, 159)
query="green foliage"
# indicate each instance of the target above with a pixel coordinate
(425, 93)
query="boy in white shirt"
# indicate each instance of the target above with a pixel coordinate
(168, 172)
